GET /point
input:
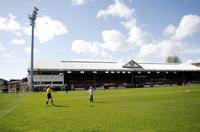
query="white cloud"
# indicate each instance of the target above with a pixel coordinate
(163, 48)
(2, 23)
(28, 49)
(147, 50)
(26, 30)
(2, 48)
(12, 23)
(9, 24)
(9, 56)
(114, 41)
(130, 23)
(192, 50)
(18, 41)
(169, 30)
(189, 61)
(79, 2)
(47, 28)
(169, 47)
(189, 25)
(81, 46)
(105, 56)
(17, 33)
(118, 9)
(174, 45)
(136, 35)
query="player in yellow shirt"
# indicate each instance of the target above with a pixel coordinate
(49, 90)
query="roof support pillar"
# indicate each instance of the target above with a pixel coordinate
(94, 80)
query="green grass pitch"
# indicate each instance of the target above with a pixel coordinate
(121, 110)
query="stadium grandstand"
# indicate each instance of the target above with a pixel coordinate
(75, 75)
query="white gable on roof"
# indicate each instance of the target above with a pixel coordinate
(132, 64)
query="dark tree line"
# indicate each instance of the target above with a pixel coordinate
(173, 59)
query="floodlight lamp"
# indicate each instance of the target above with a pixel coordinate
(36, 8)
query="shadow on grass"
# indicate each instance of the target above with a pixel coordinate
(56, 105)
(101, 102)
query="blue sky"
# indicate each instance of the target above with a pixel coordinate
(103, 30)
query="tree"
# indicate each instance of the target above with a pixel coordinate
(25, 79)
(173, 59)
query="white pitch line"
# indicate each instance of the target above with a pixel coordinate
(14, 106)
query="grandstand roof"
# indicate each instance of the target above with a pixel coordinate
(110, 66)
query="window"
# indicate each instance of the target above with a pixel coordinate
(58, 82)
(45, 82)
(36, 82)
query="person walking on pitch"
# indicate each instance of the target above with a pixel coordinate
(91, 93)
(49, 96)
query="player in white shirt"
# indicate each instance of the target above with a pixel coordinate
(91, 93)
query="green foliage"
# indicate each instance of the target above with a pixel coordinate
(173, 59)
(142, 109)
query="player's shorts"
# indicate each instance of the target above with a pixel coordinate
(49, 96)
